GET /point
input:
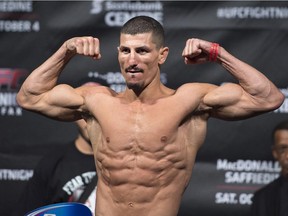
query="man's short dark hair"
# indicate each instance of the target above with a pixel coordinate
(145, 24)
(280, 126)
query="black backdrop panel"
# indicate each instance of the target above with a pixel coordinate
(235, 159)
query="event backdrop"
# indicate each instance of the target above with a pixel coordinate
(235, 159)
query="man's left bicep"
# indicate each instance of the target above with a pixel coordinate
(223, 96)
(229, 101)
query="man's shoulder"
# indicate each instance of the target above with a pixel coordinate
(50, 161)
(196, 87)
(268, 189)
(55, 154)
(99, 90)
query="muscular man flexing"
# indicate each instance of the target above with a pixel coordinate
(150, 134)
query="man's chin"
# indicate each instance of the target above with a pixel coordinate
(134, 86)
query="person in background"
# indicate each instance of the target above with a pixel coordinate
(149, 134)
(62, 175)
(272, 199)
(65, 174)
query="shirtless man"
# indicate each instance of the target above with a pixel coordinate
(150, 134)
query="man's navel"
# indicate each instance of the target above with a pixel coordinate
(164, 139)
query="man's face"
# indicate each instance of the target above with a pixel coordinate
(139, 59)
(280, 149)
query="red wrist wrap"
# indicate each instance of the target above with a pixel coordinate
(213, 53)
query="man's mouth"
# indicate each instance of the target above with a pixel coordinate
(133, 70)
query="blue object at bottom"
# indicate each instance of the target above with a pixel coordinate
(62, 209)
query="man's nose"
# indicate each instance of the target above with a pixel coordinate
(133, 58)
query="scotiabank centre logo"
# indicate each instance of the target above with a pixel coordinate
(10, 82)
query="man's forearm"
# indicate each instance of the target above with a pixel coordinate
(250, 79)
(45, 77)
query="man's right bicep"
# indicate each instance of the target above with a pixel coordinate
(64, 96)
(63, 102)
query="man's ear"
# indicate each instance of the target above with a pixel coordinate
(163, 55)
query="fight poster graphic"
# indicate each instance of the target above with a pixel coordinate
(10, 82)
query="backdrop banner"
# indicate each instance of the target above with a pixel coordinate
(235, 159)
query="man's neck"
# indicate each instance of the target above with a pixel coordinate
(149, 95)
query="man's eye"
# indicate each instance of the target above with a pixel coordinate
(125, 50)
(142, 51)
(282, 149)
